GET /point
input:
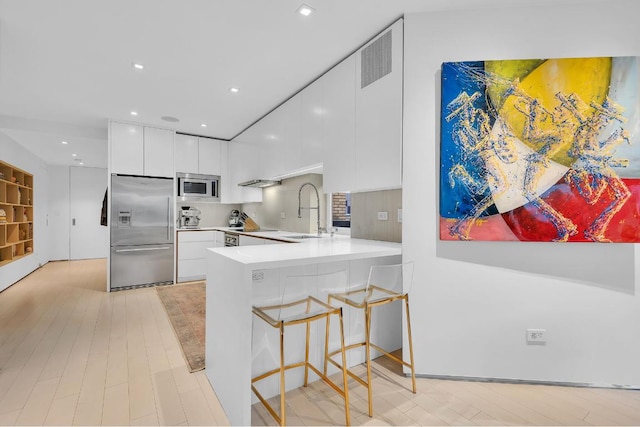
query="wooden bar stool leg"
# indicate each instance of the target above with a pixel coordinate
(367, 322)
(345, 377)
(283, 415)
(413, 366)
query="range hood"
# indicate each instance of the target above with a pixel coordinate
(259, 183)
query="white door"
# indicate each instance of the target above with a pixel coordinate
(88, 239)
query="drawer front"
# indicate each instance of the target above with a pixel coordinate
(193, 250)
(196, 236)
(191, 269)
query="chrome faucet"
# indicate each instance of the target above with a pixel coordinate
(317, 207)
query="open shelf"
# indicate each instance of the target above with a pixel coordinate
(16, 213)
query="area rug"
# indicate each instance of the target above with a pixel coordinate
(185, 306)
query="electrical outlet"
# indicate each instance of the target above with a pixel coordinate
(536, 336)
(399, 215)
(383, 216)
(257, 275)
(282, 215)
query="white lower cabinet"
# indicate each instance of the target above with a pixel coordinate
(192, 247)
(248, 240)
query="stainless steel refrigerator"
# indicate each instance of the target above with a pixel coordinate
(141, 231)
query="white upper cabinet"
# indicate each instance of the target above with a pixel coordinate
(311, 121)
(350, 120)
(339, 127)
(158, 152)
(209, 159)
(379, 111)
(126, 143)
(199, 155)
(187, 153)
(246, 159)
(140, 150)
(287, 148)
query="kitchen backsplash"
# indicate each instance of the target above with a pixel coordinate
(283, 199)
(213, 214)
(364, 215)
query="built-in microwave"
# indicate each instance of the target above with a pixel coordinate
(197, 186)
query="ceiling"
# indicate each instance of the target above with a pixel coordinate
(66, 65)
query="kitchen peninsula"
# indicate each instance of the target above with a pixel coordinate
(236, 275)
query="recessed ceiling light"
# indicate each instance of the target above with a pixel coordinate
(64, 142)
(204, 125)
(170, 119)
(74, 155)
(234, 90)
(81, 163)
(305, 10)
(134, 113)
(137, 66)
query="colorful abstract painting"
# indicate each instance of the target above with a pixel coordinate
(541, 150)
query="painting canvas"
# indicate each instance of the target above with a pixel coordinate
(540, 150)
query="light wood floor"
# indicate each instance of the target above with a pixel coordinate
(71, 353)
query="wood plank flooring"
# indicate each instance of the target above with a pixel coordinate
(72, 354)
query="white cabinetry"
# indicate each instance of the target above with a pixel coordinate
(378, 147)
(312, 111)
(187, 153)
(245, 161)
(126, 142)
(192, 247)
(248, 240)
(199, 155)
(209, 158)
(339, 127)
(140, 150)
(350, 120)
(158, 152)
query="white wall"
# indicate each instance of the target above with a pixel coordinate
(473, 301)
(12, 152)
(87, 238)
(59, 212)
(92, 242)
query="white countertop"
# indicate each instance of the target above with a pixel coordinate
(283, 236)
(326, 249)
(201, 229)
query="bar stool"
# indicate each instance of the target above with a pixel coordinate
(386, 284)
(299, 303)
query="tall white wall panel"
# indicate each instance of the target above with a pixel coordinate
(473, 301)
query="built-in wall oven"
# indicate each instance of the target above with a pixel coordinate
(231, 239)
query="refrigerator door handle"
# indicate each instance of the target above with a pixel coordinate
(143, 249)
(169, 218)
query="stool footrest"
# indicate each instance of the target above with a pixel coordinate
(390, 356)
(351, 374)
(322, 376)
(276, 371)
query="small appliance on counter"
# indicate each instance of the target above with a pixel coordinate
(189, 217)
(235, 220)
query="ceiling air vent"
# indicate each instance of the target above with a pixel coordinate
(376, 60)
